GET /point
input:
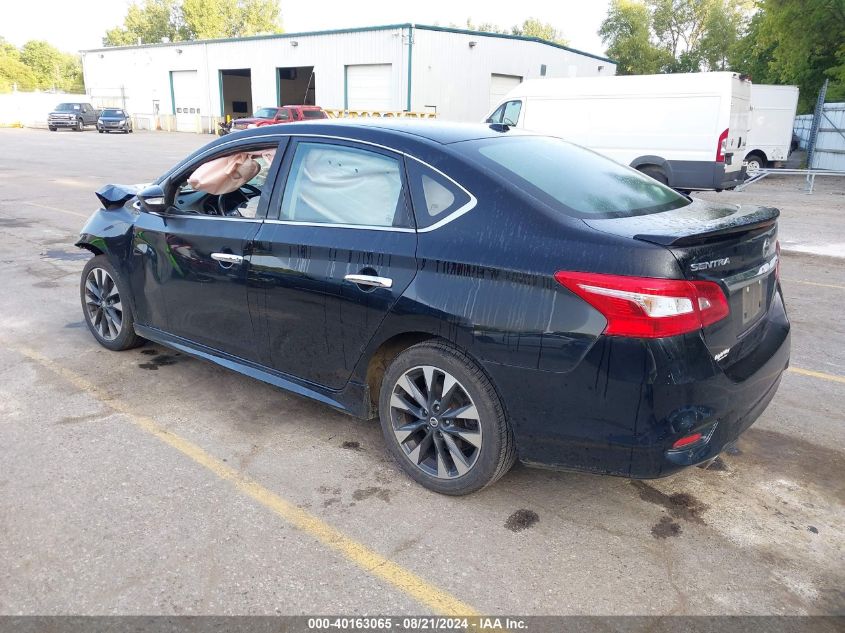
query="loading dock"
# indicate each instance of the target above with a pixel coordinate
(236, 92)
(296, 85)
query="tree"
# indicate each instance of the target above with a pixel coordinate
(673, 35)
(627, 33)
(532, 27)
(178, 20)
(38, 65)
(799, 42)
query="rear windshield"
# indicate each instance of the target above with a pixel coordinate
(313, 114)
(582, 182)
(112, 113)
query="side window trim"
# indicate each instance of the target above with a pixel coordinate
(284, 173)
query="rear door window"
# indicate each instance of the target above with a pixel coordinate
(344, 185)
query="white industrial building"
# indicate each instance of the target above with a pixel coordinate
(453, 73)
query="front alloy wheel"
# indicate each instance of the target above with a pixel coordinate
(79, 125)
(435, 422)
(103, 305)
(106, 307)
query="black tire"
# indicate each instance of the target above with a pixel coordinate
(754, 162)
(655, 172)
(80, 125)
(99, 130)
(125, 337)
(52, 128)
(497, 452)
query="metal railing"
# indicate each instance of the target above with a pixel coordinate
(810, 174)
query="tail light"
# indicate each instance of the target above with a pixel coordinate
(722, 146)
(644, 307)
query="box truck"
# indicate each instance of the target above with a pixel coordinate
(772, 118)
(687, 130)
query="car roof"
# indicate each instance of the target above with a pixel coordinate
(440, 132)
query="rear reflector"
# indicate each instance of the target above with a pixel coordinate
(645, 307)
(686, 441)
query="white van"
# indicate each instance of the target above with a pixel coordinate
(772, 117)
(686, 130)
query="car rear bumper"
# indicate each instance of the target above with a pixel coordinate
(629, 400)
(703, 175)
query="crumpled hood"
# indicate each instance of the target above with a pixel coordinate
(699, 219)
(111, 196)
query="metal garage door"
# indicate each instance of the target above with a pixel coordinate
(368, 87)
(186, 99)
(500, 85)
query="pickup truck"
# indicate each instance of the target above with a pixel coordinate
(73, 115)
(281, 114)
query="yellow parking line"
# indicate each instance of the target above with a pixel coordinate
(813, 283)
(817, 374)
(59, 209)
(370, 561)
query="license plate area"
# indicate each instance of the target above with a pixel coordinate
(752, 301)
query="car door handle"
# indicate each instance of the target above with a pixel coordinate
(227, 258)
(370, 280)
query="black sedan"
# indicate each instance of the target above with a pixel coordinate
(114, 120)
(488, 294)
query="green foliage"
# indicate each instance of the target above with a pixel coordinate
(799, 42)
(532, 27)
(38, 66)
(178, 20)
(627, 32)
(648, 36)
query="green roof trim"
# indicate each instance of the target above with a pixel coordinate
(360, 29)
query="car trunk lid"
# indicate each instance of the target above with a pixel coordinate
(732, 245)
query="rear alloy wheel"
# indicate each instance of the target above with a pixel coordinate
(107, 312)
(443, 422)
(80, 126)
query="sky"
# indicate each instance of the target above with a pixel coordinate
(84, 27)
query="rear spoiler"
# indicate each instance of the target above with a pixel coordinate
(756, 218)
(115, 196)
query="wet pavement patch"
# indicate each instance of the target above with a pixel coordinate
(162, 360)
(680, 505)
(66, 255)
(718, 465)
(75, 324)
(813, 529)
(665, 528)
(372, 491)
(521, 520)
(352, 445)
(149, 352)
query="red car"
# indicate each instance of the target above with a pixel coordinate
(282, 114)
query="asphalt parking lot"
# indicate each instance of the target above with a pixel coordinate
(147, 482)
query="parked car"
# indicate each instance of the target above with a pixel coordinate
(283, 114)
(687, 130)
(490, 295)
(72, 115)
(772, 119)
(114, 120)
